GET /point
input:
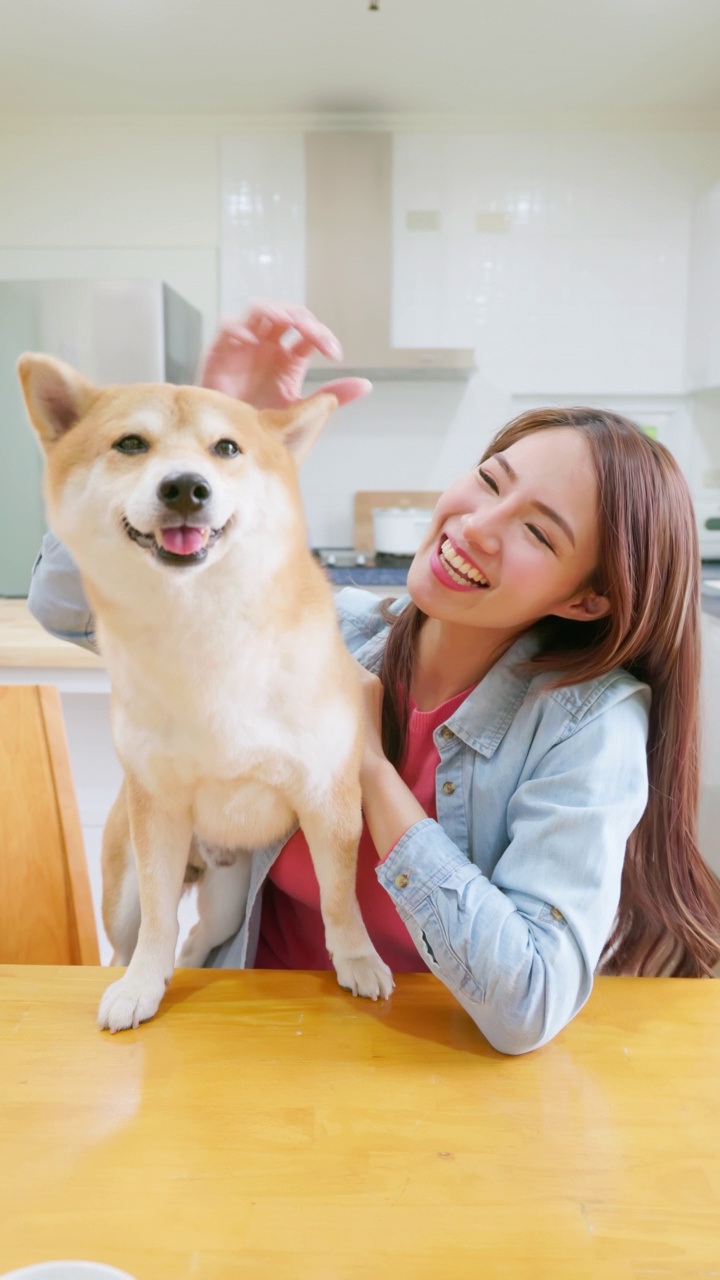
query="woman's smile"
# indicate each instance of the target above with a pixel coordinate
(513, 540)
(454, 570)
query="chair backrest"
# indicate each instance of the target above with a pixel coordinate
(46, 909)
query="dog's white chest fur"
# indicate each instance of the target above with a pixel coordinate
(237, 726)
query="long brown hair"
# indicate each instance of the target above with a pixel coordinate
(668, 920)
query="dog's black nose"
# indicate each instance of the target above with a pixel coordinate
(184, 492)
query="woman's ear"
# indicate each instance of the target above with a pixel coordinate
(586, 606)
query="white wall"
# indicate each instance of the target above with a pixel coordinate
(591, 278)
(563, 258)
(90, 197)
(704, 294)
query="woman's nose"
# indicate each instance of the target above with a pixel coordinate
(480, 530)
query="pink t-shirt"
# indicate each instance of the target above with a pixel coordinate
(292, 935)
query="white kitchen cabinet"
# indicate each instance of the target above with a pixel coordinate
(561, 259)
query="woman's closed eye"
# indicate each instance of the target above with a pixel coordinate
(537, 533)
(489, 481)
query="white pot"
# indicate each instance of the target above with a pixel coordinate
(400, 530)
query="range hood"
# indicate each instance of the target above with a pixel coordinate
(348, 260)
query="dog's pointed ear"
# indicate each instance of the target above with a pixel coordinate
(56, 396)
(300, 426)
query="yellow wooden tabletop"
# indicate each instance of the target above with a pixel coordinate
(24, 643)
(268, 1125)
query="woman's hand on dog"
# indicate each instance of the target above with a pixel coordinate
(389, 806)
(254, 360)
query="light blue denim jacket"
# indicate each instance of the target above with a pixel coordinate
(511, 894)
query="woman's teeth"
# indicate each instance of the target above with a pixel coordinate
(458, 569)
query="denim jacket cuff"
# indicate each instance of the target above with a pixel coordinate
(422, 859)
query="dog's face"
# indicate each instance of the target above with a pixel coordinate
(170, 476)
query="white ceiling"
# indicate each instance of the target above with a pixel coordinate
(642, 62)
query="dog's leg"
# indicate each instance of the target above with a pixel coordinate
(333, 834)
(120, 895)
(161, 840)
(222, 897)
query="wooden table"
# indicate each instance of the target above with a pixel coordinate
(268, 1125)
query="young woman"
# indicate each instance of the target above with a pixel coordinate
(530, 778)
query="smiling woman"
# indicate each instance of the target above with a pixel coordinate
(530, 768)
(580, 527)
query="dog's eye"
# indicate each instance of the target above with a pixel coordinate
(226, 449)
(131, 444)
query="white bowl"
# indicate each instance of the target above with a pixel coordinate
(69, 1270)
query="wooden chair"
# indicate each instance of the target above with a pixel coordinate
(46, 909)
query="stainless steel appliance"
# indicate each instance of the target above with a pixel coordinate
(112, 331)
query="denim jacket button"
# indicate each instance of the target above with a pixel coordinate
(446, 733)
(448, 788)
(402, 880)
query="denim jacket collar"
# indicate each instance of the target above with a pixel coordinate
(493, 703)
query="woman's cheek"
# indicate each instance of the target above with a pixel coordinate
(527, 570)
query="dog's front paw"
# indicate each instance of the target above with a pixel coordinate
(365, 976)
(129, 1002)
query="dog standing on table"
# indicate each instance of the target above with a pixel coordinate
(235, 706)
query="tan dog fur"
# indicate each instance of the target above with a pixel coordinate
(235, 705)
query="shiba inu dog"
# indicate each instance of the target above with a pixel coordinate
(235, 705)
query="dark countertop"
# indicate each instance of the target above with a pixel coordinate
(367, 575)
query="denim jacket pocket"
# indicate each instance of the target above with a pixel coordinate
(435, 949)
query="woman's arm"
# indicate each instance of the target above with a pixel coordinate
(519, 949)
(56, 597)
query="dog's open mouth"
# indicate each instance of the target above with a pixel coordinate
(179, 544)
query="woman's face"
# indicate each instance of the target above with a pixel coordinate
(515, 539)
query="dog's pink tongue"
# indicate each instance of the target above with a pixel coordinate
(181, 541)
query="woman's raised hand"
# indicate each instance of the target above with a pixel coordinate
(251, 359)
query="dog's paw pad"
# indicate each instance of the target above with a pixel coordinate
(126, 1004)
(366, 976)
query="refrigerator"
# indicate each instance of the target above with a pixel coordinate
(111, 331)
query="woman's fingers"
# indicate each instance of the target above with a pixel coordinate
(236, 333)
(249, 358)
(345, 389)
(271, 321)
(301, 349)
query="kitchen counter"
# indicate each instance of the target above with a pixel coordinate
(267, 1125)
(24, 643)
